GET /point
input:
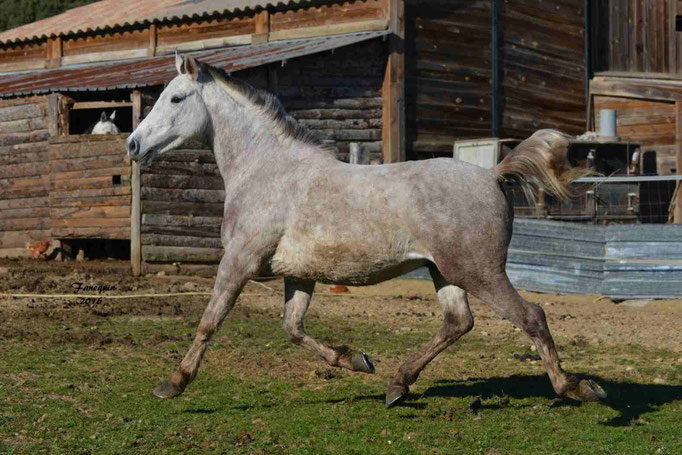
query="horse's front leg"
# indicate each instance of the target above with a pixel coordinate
(236, 268)
(297, 295)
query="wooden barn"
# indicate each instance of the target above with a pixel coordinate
(637, 64)
(403, 79)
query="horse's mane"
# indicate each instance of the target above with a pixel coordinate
(266, 104)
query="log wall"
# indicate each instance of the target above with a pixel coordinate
(24, 183)
(182, 195)
(89, 187)
(649, 123)
(337, 95)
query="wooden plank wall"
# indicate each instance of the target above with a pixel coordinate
(89, 187)
(449, 58)
(448, 73)
(337, 96)
(543, 63)
(24, 184)
(641, 36)
(649, 123)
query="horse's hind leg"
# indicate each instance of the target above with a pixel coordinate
(504, 299)
(457, 320)
(297, 298)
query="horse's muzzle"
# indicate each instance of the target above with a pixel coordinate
(133, 147)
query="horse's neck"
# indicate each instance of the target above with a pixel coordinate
(244, 146)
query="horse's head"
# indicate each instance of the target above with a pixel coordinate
(179, 115)
(106, 125)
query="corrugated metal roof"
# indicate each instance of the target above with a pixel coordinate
(159, 70)
(110, 14)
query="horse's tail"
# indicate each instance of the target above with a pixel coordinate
(541, 163)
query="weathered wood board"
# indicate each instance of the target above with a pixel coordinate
(89, 187)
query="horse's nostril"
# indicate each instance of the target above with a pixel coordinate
(133, 147)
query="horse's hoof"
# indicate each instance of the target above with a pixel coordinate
(362, 362)
(587, 390)
(395, 395)
(167, 390)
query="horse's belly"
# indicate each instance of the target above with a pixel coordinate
(350, 263)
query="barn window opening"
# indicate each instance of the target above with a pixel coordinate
(116, 180)
(81, 249)
(678, 23)
(83, 120)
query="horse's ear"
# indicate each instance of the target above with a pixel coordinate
(103, 117)
(112, 116)
(191, 67)
(179, 64)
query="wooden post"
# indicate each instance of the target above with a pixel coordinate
(135, 206)
(262, 32)
(53, 114)
(358, 154)
(151, 50)
(677, 212)
(393, 90)
(54, 52)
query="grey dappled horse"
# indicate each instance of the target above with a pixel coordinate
(293, 210)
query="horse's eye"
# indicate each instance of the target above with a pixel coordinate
(177, 99)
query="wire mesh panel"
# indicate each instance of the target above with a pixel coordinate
(604, 200)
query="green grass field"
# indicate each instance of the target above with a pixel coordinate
(77, 380)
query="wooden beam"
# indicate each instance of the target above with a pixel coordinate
(330, 29)
(135, 217)
(393, 90)
(677, 212)
(641, 89)
(100, 104)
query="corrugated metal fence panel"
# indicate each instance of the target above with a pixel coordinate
(629, 279)
(551, 237)
(535, 271)
(643, 261)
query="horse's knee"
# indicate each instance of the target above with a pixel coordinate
(206, 329)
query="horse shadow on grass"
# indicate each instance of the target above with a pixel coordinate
(630, 400)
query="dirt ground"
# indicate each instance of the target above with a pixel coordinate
(400, 304)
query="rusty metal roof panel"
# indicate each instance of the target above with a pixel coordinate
(111, 14)
(158, 70)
